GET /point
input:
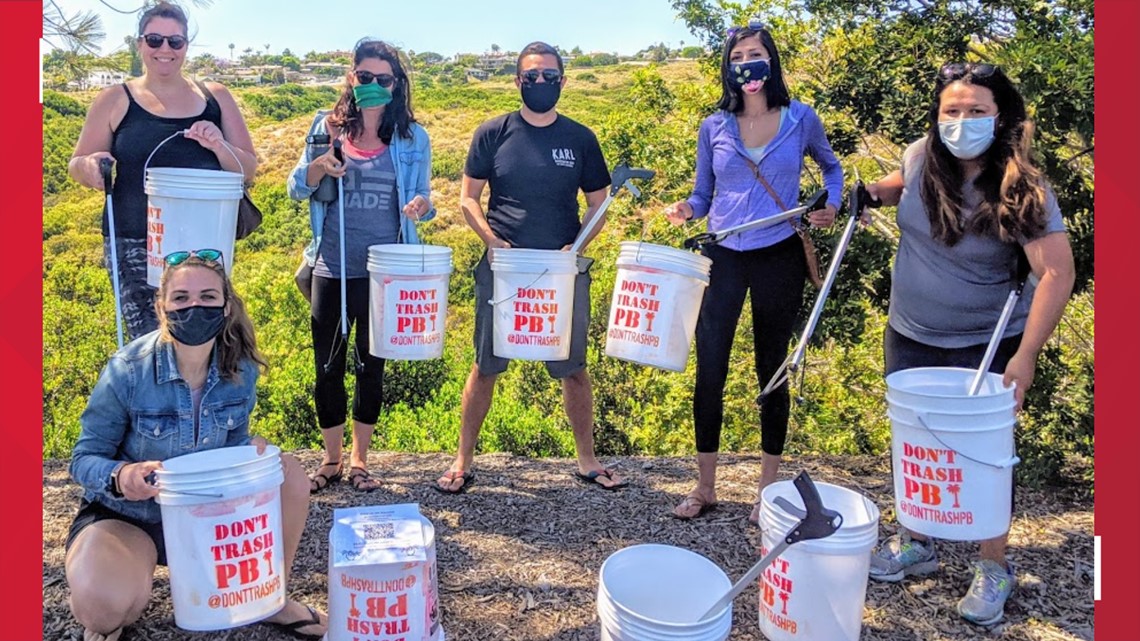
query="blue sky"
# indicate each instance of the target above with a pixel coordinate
(446, 27)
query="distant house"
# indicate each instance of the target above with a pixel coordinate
(100, 78)
(478, 74)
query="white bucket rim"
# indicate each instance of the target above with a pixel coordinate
(191, 172)
(517, 259)
(1009, 462)
(1009, 408)
(989, 389)
(645, 547)
(205, 482)
(850, 538)
(610, 617)
(248, 454)
(229, 490)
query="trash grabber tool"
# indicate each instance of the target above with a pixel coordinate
(105, 165)
(857, 199)
(816, 522)
(1021, 275)
(622, 176)
(816, 201)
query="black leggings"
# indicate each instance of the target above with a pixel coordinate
(331, 353)
(775, 275)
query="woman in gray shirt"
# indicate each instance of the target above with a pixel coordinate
(970, 199)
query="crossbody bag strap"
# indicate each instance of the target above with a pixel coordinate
(768, 187)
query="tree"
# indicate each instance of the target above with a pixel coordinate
(495, 48)
(231, 51)
(83, 31)
(576, 51)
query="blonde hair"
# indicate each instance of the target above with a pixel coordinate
(236, 342)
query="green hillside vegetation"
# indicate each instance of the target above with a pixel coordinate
(646, 116)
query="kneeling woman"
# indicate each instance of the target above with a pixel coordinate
(164, 395)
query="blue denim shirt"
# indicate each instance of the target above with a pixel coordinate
(727, 191)
(412, 159)
(141, 410)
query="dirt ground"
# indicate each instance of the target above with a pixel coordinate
(519, 554)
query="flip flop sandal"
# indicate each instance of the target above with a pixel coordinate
(294, 629)
(451, 475)
(319, 481)
(591, 478)
(703, 508)
(361, 480)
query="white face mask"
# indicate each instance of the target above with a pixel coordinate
(967, 138)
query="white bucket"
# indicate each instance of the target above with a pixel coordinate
(815, 590)
(952, 454)
(658, 592)
(533, 303)
(655, 305)
(407, 300)
(226, 555)
(382, 575)
(189, 209)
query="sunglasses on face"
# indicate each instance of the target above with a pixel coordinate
(754, 24)
(958, 70)
(154, 41)
(551, 76)
(385, 80)
(205, 255)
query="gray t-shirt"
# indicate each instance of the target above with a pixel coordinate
(371, 217)
(953, 296)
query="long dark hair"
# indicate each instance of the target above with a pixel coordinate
(775, 89)
(1012, 186)
(398, 114)
(236, 342)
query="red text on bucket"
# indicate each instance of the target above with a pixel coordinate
(381, 619)
(776, 586)
(535, 316)
(636, 306)
(154, 232)
(932, 483)
(243, 552)
(417, 311)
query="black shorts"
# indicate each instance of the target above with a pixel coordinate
(90, 513)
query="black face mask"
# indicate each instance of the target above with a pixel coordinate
(540, 97)
(196, 325)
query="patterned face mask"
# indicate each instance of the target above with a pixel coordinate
(742, 73)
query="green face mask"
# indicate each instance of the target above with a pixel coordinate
(371, 95)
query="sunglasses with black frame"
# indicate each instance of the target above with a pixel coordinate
(154, 40)
(958, 70)
(551, 76)
(385, 80)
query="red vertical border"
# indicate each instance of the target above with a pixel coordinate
(21, 337)
(1117, 316)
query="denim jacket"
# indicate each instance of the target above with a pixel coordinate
(411, 158)
(727, 190)
(141, 410)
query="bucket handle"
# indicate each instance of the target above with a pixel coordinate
(1000, 465)
(495, 303)
(183, 132)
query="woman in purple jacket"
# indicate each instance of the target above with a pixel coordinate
(749, 161)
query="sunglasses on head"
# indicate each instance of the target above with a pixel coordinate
(958, 70)
(154, 40)
(174, 259)
(551, 76)
(754, 24)
(385, 80)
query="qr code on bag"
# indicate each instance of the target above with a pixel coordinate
(376, 531)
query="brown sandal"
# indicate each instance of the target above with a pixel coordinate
(318, 481)
(703, 507)
(361, 480)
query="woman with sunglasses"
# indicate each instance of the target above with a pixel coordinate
(970, 199)
(749, 164)
(188, 386)
(126, 123)
(386, 173)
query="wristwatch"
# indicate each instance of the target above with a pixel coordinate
(113, 482)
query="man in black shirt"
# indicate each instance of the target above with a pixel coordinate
(535, 161)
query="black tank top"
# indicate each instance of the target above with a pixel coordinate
(136, 136)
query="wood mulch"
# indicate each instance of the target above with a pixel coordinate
(519, 554)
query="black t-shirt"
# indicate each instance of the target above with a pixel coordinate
(535, 174)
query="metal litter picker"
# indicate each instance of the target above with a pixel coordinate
(105, 165)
